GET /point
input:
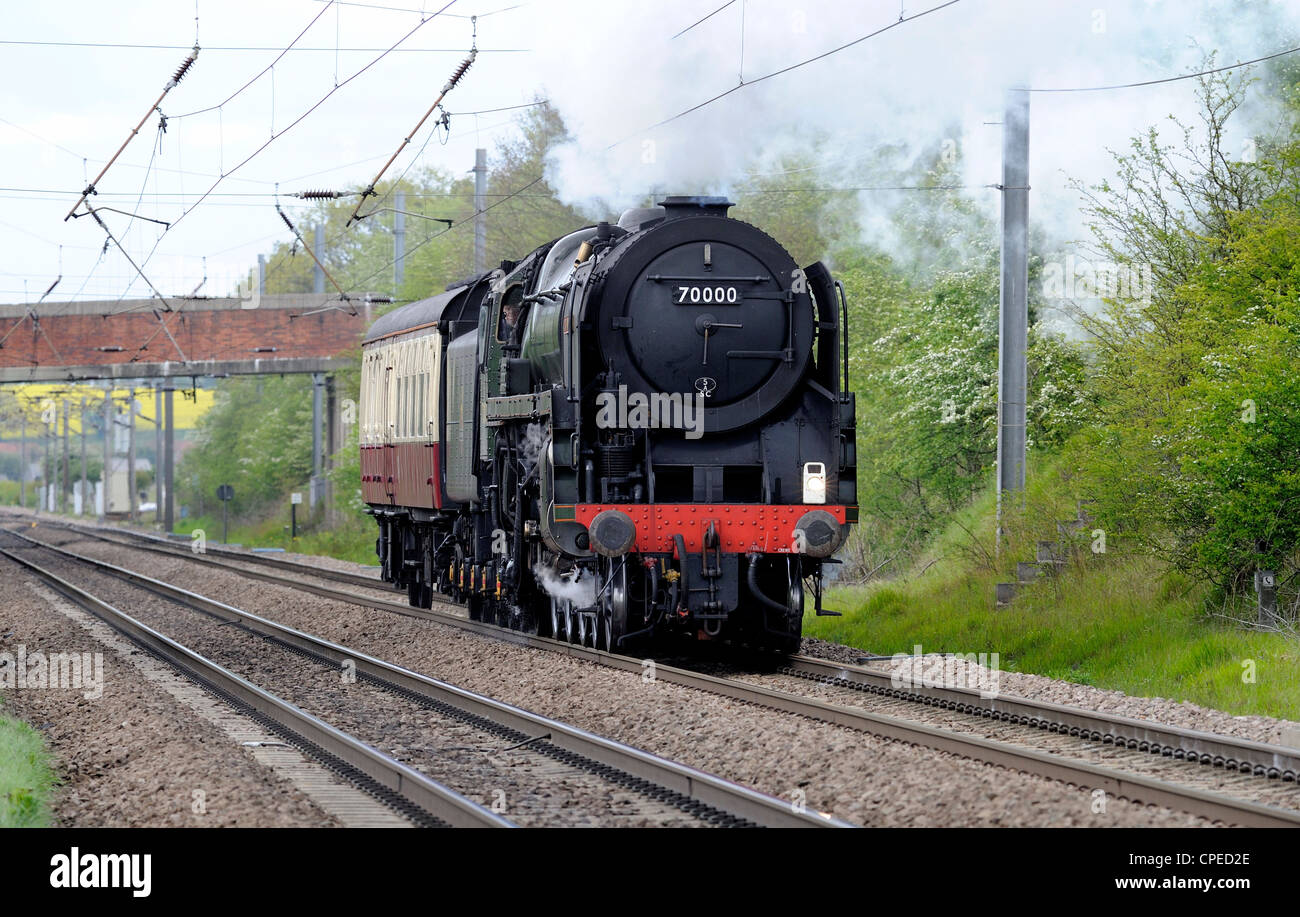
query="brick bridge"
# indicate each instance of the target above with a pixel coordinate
(142, 339)
(138, 339)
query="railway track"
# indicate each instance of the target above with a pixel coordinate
(1256, 758)
(564, 764)
(1188, 761)
(413, 795)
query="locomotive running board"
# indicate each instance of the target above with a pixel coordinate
(518, 407)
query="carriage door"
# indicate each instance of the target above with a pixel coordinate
(430, 351)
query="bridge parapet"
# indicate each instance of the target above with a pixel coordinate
(138, 339)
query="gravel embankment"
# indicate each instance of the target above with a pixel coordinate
(134, 755)
(856, 776)
(1037, 687)
(530, 788)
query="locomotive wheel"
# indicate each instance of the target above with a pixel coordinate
(794, 609)
(612, 618)
(583, 629)
(779, 628)
(557, 619)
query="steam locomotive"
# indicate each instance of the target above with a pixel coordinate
(640, 431)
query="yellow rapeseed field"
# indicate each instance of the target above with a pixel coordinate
(37, 398)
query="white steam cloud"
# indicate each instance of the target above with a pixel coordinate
(575, 588)
(879, 108)
(530, 447)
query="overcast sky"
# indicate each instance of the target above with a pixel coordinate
(612, 68)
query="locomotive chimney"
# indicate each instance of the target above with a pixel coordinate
(694, 205)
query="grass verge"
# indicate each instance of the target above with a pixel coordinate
(26, 776)
(352, 540)
(1118, 623)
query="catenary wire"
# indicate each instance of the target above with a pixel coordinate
(261, 73)
(784, 70)
(1168, 79)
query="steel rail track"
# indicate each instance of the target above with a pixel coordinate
(1247, 756)
(1122, 730)
(620, 762)
(177, 546)
(382, 776)
(1244, 755)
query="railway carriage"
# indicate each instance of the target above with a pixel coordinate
(639, 431)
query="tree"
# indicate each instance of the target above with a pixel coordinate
(256, 437)
(1197, 415)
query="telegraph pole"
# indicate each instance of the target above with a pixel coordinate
(83, 455)
(22, 471)
(108, 451)
(45, 462)
(169, 444)
(399, 241)
(480, 205)
(317, 452)
(66, 484)
(47, 489)
(1013, 305)
(318, 275)
(130, 453)
(331, 445)
(157, 451)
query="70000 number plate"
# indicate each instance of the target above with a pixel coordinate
(713, 295)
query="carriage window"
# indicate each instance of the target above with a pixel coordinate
(420, 420)
(406, 409)
(403, 410)
(415, 404)
(376, 405)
